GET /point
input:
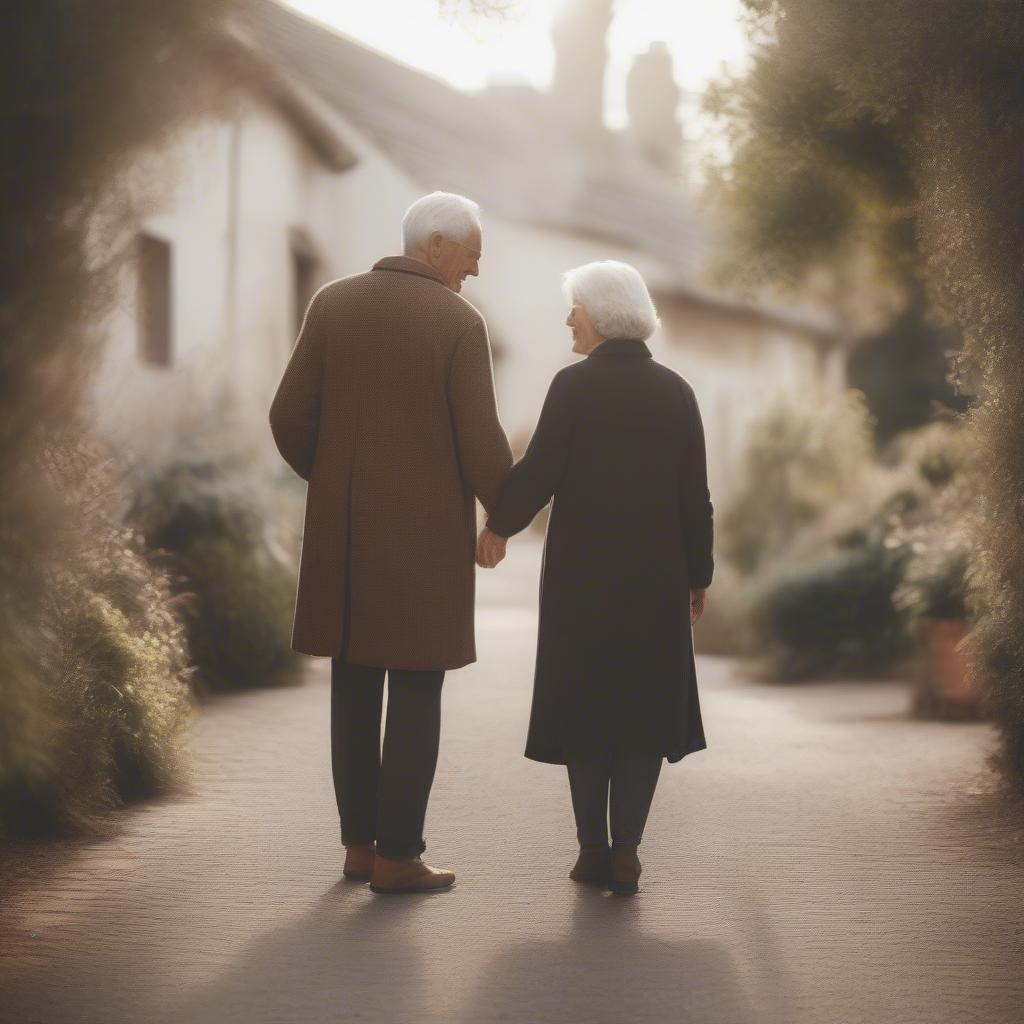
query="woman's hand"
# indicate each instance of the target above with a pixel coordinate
(696, 605)
(490, 549)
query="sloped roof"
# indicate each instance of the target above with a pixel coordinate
(312, 115)
(507, 151)
(511, 160)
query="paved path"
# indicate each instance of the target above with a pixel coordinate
(825, 860)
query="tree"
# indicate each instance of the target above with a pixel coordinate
(893, 131)
(85, 87)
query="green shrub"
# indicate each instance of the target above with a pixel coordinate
(835, 616)
(725, 627)
(935, 532)
(93, 710)
(77, 122)
(800, 460)
(836, 591)
(936, 452)
(208, 522)
(900, 131)
(933, 585)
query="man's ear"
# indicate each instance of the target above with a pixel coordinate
(436, 238)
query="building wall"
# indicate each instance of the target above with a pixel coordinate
(738, 365)
(240, 185)
(237, 186)
(136, 405)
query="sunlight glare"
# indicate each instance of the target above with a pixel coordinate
(470, 50)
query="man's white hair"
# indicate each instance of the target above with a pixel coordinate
(614, 296)
(453, 215)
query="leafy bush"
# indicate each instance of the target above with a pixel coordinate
(725, 627)
(206, 521)
(76, 122)
(835, 616)
(800, 460)
(838, 585)
(95, 717)
(935, 532)
(903, 129)
(934, 584)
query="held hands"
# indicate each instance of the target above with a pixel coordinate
(490, 549)
(696, 605)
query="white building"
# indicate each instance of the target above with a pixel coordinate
(304, 175)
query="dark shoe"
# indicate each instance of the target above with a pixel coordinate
(359, 862)
(408, 876)
(625, 871)
(593, 866)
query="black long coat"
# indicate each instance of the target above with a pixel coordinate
(620, 447)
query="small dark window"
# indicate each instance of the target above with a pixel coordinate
(305, 274)
(154, 300)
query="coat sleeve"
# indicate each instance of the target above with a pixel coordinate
(295, 410)
(483, 449)
(535, 477)
(696, 510)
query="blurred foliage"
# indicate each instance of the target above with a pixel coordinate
(821, 603)
(75, 118)
(814, 178)
(799, 460)
(834, 616)
(821, 186)
(935, 533)
(933, 584)
(803, 462)
(207, 521)
(882, 128)
(831, 549)
(98, 715)
(726, 628)
(904, 371)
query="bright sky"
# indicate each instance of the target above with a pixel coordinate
(447, 39)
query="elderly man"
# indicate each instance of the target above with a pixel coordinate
(387, 409)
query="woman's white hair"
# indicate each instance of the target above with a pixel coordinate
(453, 215)
(614, 296)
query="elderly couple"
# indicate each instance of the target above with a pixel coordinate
(387, 409)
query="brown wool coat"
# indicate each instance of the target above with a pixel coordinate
(387, 409)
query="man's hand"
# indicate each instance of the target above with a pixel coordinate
(490, 549)
(696, 605)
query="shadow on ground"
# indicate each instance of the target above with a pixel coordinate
(342, 961)
(606, 969)
(362, 958)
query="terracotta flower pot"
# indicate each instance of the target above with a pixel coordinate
(947, 689)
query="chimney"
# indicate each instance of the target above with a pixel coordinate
(652, 103)
(581, 53)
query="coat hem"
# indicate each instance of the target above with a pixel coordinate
(552, 756)
(398, 665)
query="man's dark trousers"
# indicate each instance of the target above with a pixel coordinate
(383, 798)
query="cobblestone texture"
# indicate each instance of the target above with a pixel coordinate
(827, 859)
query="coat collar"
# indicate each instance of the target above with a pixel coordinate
(621, 347)
(408, 265)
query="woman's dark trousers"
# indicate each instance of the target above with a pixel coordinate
(384, 798)
(621, 788)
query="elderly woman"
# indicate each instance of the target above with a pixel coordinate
(628, 555)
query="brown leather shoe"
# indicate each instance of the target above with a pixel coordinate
(408, 876)
(359, 862)
(593, 866)
(625, 871)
